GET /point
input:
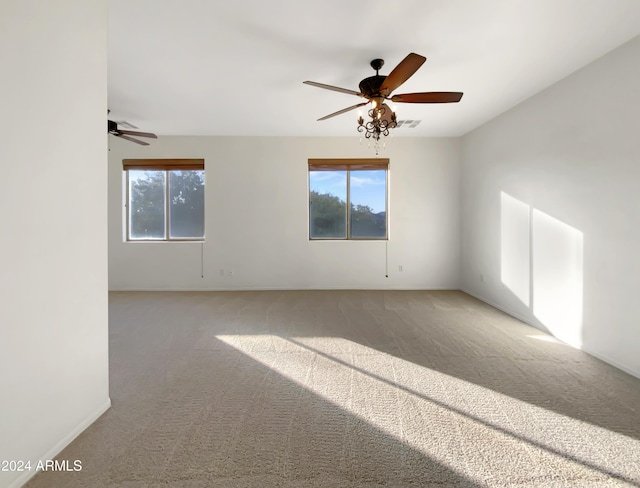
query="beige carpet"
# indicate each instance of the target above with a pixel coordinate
(349, 389)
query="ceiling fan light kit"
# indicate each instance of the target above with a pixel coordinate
(382, 117)
(377, 89)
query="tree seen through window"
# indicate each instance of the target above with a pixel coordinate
(330, 217)
(165, 204)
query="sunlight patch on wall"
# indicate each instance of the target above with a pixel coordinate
(558, 277)
(514, 246)
(541, 263)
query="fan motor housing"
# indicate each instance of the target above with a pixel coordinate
(112, 127)
(370, 87)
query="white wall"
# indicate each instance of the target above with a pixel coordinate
(256, 218)
(550, 191)
(53, 237)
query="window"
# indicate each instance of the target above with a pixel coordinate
(348, 198)
(165, 199)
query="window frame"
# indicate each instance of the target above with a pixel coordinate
(165, 165)
(348, 165)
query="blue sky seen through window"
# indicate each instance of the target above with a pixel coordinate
(367, 187)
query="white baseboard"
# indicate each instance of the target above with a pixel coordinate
(313, 288)
(615, 364)
(64, 442)
(528, 321)
(521, 318)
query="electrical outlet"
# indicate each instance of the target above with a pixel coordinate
(221, 272)
(400, 268)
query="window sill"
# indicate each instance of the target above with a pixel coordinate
(353, 239)
(163, 241)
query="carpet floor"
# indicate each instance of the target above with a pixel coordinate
(349, 389)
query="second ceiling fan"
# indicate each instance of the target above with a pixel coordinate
(377, 89)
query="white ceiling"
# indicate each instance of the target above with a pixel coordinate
(204, 67)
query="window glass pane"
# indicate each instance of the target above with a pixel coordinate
(368, 194)
(146, 204)
(327, 204)
(186, 204)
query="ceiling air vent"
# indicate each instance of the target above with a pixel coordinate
(408, 123)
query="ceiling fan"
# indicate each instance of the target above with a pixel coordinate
(376, 89)
(112, 128)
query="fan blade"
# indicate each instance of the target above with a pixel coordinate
(401, 73)
(428, 97)
(142, 143)
(343, 111)
(126, 124)
(334, 88)
(139, 134)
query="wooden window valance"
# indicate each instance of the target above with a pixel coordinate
(348, 164)
(163, 164)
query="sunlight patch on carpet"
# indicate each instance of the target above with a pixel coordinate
(464, 426)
